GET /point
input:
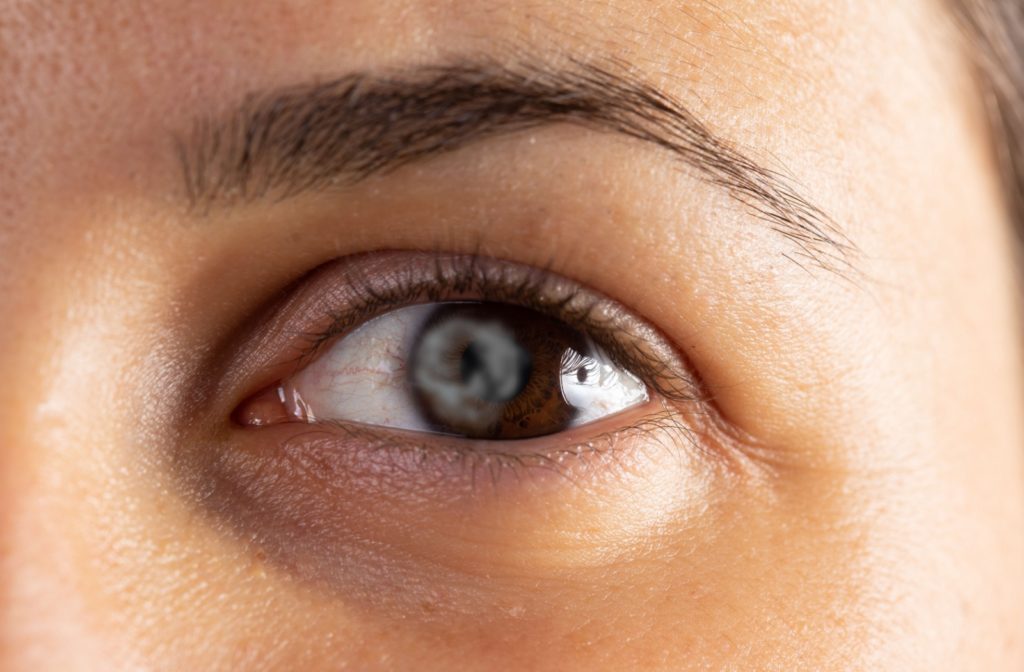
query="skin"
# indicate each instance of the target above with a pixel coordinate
(860, 506)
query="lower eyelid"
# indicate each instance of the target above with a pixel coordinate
(338, 503)
(574, 455)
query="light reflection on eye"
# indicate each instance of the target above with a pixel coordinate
(473, 369)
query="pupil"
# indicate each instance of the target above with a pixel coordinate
(495, 368)
(581, 374)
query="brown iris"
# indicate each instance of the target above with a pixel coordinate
(493, 371)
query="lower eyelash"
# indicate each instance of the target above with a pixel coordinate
(464, 461)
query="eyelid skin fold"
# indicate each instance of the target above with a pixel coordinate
(346, 293)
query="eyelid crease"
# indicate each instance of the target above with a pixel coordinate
(428, 277)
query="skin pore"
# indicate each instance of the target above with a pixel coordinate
(850, 495)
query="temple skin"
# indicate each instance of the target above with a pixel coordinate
(853, 501)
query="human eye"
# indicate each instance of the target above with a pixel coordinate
(468, 355)
(473, 369)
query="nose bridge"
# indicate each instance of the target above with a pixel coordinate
(44, 622)
(58, 493)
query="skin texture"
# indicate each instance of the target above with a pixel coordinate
(859, 505)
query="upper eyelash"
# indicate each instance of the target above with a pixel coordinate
(537, 289)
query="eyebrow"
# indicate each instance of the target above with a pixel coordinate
(310, 137)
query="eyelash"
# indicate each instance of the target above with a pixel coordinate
(475, 278)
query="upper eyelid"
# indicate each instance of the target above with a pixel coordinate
(366, 291)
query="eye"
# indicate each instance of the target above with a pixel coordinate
(405, 351)
(474, 369)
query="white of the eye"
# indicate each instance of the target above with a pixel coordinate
(606, 390)
(363, 378)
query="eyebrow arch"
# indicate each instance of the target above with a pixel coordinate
(309, 137)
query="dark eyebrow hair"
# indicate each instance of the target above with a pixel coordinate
(312, 136)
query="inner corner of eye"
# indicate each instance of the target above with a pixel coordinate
(472, 369)
(270, 406)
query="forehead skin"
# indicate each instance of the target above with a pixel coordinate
(888, 534)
